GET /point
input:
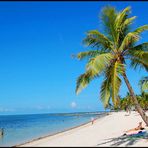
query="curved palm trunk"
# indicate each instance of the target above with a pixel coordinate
(138, 107)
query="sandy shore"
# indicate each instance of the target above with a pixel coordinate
(106, 131)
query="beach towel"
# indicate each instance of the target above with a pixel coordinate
(141, 134)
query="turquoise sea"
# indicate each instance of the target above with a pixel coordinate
(19, 129)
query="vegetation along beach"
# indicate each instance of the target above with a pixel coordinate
(74, 74)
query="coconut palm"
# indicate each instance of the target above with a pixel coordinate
(143, 100)
(110, 51)
(126, 102)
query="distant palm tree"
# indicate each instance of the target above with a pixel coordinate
(143, 100)
(126, 102)
(109, 54)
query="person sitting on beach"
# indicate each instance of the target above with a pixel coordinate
(137, 129)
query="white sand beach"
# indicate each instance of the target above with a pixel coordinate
(106, 131)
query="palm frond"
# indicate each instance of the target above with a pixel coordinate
(123, 29)
(121, 17)
(143, 55)
(132, 37)
(129, 39)
(141, 29)
(116, 69)
(127, 22)
(99, 63)
(139, 56)
(83, 80)
(111, 84)
(108, 17)
(88, 54)
(94, 67)
(139, 63)
(142, 47)
(122, 24)
(96, 39)
(105, 92)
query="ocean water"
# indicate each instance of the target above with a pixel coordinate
(22, 128)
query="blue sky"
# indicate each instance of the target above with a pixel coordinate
(37, 39)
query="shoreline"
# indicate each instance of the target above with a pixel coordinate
(106, 131)
(50, 135)
(63, 131)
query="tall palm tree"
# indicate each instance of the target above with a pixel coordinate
(109, 54)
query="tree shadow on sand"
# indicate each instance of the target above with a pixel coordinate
(129, 140)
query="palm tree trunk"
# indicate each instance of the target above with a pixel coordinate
(138, 107)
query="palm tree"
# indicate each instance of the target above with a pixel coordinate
(109, 54)
(126, 102)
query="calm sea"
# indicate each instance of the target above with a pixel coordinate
(22, 128)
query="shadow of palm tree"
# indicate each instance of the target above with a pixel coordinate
(129, 140)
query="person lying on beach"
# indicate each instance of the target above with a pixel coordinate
(135, 130)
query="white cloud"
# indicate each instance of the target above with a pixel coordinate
(73, 104)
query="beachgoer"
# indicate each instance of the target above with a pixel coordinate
(128, 110)
(136, 129)
(139, 127)
(92, 120)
